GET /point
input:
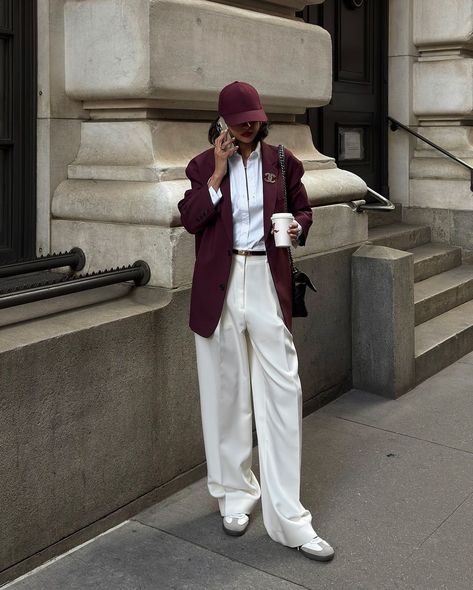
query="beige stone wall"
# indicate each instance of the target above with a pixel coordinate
(442, 102)
(402, 55)
(58, 118)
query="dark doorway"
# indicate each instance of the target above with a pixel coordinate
(352, 128)
(17, 129)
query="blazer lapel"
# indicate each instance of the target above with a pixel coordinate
(269, 157)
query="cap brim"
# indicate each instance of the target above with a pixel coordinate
(237, 118)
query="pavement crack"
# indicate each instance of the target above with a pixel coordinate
(224, 555)
(443, 521)
(433, 442)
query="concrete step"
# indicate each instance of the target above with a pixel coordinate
(443, 340)
(376, 218)
(400, 235)
(440, 293)
(432, 259)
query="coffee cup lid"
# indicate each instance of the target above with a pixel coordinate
(282, 216)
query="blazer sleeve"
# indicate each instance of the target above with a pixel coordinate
(297, 200)
(196, 208)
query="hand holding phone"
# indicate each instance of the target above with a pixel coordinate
(221, 125)
(224, 148)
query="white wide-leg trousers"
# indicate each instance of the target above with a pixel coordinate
(252, 352)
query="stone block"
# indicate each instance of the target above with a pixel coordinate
(58, 141)
(462, 229)
(110, 417)
(328, 186)
(323, 339)
(334, 226)
(168, 251)
(383, 320)
(129, 49)
(400, 28)
(438, 193)
(400, 88)
(439, 220)
(143, 203)
(454, 138)
(440, 24)
(438, 167)
(160, 150)
(52, 98)
(443, 89)
(399, 159)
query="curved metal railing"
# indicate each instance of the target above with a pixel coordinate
(395, 125)
(386, 204)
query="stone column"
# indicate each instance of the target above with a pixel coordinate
(149, 73)
(443, 103)
(402, 54)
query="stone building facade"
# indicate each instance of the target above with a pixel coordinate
(106, 419)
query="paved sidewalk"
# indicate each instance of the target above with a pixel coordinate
(389, 484)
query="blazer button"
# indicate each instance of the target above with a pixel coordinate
(222, 287)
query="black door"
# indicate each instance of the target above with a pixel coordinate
(352, 128)
(17, 129)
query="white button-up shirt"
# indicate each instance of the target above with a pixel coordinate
(246, 187)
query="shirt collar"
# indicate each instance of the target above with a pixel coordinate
(255, 154)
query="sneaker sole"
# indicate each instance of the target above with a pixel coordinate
(317, 557)
(234, 533)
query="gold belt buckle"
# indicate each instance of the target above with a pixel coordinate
(249, 252)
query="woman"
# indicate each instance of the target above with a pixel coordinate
(241, 316)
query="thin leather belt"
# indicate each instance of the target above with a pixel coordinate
(250, 252)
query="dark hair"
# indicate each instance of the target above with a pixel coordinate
(262, 133)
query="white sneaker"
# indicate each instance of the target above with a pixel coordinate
(317, 549)
(235, 524)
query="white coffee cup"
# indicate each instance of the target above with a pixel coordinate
(281, 223)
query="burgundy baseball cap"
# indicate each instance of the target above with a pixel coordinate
(240, 102)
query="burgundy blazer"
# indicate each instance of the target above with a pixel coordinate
(213, 229)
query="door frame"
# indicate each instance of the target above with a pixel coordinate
(314, 116)
(21, 122)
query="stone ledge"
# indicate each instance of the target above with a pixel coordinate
(150, 151)
(36, 322)
(170, 250)
(132, 51)
(155, 203)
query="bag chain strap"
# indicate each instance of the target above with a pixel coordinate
(282, 163)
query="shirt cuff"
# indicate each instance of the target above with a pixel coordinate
(295, 242)
(215, 195)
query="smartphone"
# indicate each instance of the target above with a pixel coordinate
(221, 125)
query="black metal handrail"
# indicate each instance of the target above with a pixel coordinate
(139, 272)
(75, 258)
(395, 125)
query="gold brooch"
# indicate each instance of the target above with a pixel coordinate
(270, 177)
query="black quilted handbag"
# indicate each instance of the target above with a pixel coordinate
(300, 281)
